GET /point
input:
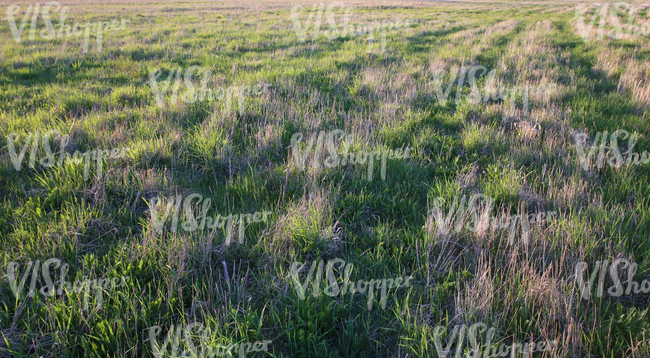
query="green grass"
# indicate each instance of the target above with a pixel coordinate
(102, 227)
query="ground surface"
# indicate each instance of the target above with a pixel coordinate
(524, 160)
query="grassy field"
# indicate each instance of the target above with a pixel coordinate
(161, 214)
